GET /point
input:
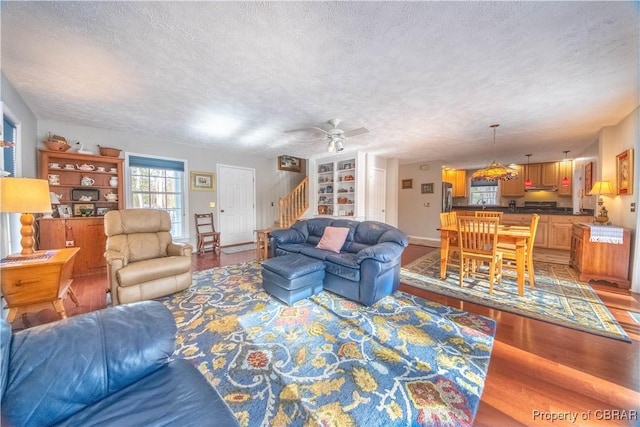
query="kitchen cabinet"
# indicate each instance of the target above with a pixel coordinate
(549, 173)
(554, 231)
(338, 186)
(514, 187)
(533, 173)
(565, 169)
(598, 260)
(102, 175)
(458, 179)
(560, 227)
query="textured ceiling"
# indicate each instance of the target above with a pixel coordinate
(426, 78)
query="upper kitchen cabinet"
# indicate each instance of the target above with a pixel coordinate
(533, 173)
(549, 174)
(565, 170)
(514, 187)
(458, 178)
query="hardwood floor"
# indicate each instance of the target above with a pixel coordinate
(537, 369)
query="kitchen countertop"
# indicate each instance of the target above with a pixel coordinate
(523, 210)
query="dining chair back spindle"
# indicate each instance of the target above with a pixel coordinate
(509, 253)
(489, 214)
(478, 243)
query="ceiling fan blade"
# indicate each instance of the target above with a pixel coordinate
(355, 132)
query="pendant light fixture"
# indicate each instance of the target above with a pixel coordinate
(527, 183)
(495, 170)
(565, 180)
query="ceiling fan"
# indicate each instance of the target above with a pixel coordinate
(335, 137)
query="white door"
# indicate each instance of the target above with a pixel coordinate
(236, 202)
(377, 194)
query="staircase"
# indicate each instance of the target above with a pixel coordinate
(294, 204)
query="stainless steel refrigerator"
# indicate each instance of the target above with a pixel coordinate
(447, 197)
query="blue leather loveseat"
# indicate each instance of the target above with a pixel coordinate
(366, 269)
(107, 368)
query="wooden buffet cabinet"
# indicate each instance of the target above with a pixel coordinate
(86, 233)
(600, 261)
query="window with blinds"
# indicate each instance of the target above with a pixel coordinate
(159, 183)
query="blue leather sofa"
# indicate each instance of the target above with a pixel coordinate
(108, 368)
(368, 265)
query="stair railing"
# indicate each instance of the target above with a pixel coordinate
(294, 204)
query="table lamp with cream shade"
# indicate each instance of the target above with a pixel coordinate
(600, 188)
(25, 196)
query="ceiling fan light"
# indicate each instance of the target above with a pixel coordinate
(339, 146)
(331, 146)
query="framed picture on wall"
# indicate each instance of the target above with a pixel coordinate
(588, 177)
(203, 181)
(624, 172)
(426, 188)
(407, 183)
(289, 163)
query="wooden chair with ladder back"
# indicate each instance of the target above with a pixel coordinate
(478, 243)
(206, 234)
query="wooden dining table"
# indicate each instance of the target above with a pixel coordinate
(515, 235)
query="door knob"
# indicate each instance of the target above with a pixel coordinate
(221, 210)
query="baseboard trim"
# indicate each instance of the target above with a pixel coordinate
(424, 241)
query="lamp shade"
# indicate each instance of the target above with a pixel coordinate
(601, 187)
(24, 195)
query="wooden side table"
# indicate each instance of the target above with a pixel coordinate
(262, 244)
(41, 280)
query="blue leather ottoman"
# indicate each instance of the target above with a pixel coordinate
(291, 278)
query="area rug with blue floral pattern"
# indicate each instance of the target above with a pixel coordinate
(328, 361)
(558, 296)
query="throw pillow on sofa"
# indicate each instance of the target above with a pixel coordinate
(333, 238)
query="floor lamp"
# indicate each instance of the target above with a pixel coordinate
(25, 196)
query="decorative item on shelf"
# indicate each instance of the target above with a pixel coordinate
(54, 179)
(111, 197)
(84, 194)
(565, 180)
(87, 181)
(56, 143)
(53, 165)
(85, 167)
(109, 152)
(70, 167)
(54, 199)
(84, 209)
(600, 188)
(81, 149)
(101, 169)
(495, 170)
(64, 211)
(113, 181)
(25, 196)
(102, 211)
(528, 183)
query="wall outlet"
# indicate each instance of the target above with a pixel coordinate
(633, 207)
(69, 243)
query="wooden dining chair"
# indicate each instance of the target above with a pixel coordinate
(509, 254)
(478, 242)
(448, 219)
(206, 234)
(489, 214)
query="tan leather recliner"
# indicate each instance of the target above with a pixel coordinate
(142, 261)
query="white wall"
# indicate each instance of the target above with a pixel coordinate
(613, 141)
(419, 214)
(268, 180)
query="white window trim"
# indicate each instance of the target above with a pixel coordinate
(128, 196)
